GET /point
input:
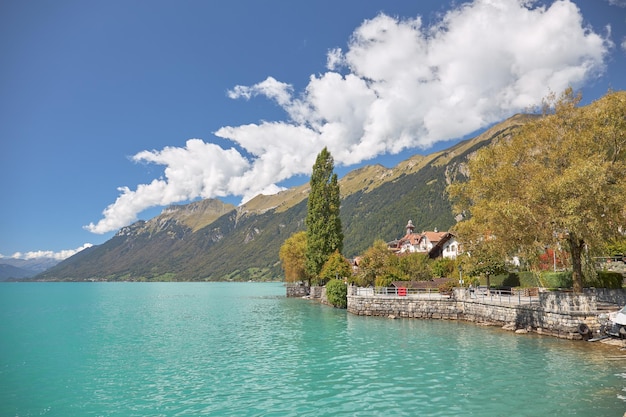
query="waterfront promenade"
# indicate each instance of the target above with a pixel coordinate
(554, 313)
(476, 294)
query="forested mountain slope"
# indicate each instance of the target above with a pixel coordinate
(210, 240)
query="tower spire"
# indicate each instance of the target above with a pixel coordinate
(409, 227)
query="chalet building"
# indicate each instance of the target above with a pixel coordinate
(436, 244)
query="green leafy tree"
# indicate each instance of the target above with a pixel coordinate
(617, 246)
(381, 267)
(416, 266)
(484, 258)
(443, 267)
(392, 270)
(324, 233)
(559, 180)
(337, 293)
(336, 267)
(373, 263)
(292, 254)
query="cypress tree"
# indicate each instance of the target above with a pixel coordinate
(324, 233)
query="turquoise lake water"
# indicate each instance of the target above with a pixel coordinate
(234, 349)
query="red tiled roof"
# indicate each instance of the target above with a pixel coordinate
(435, 237)
(413, 238)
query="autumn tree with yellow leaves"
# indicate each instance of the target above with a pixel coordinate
(292, 254)
(561, 180)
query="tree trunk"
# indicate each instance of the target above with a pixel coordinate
(576, 246)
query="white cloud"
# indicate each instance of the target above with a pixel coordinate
(198, 170)
(270, 88)
(618, 3)
(398, 85)
(334, 59)
(61, 255)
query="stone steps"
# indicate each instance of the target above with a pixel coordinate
(607, 307)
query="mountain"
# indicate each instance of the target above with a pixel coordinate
(15, 269)
(211, 240)
(11, 273)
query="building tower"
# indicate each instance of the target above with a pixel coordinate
(409, 228)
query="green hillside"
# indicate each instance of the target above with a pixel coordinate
(210, 240)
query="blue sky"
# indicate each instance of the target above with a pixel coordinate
(111, 110)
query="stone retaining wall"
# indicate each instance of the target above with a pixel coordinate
(403, 307)
(555, 314)
(607, 295)
(297, 290)
(315, 292)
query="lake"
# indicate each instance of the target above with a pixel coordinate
(244, 349)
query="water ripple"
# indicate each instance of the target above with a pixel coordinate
(245, 350)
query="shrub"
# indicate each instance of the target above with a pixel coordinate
(446, 287)
(511, 280)
(527, 279)
(524, 279)
(337, 293)
(495, 280)
(607, 279)
(557, 279)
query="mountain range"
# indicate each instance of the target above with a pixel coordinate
(209, 240)
(12, 269)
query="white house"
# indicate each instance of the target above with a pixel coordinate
(435, 243)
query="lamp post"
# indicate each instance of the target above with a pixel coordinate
(460, 275)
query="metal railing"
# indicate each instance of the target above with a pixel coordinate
(478, 294)
(502, 296)
(406, 292)
(424, 293)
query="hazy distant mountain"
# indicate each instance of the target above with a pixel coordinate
(11, 269)
(210, 240)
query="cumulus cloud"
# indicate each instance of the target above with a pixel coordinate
(398, 85)
(199, 169)
(61, 255)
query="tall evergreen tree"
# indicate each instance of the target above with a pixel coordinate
(324, 233)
